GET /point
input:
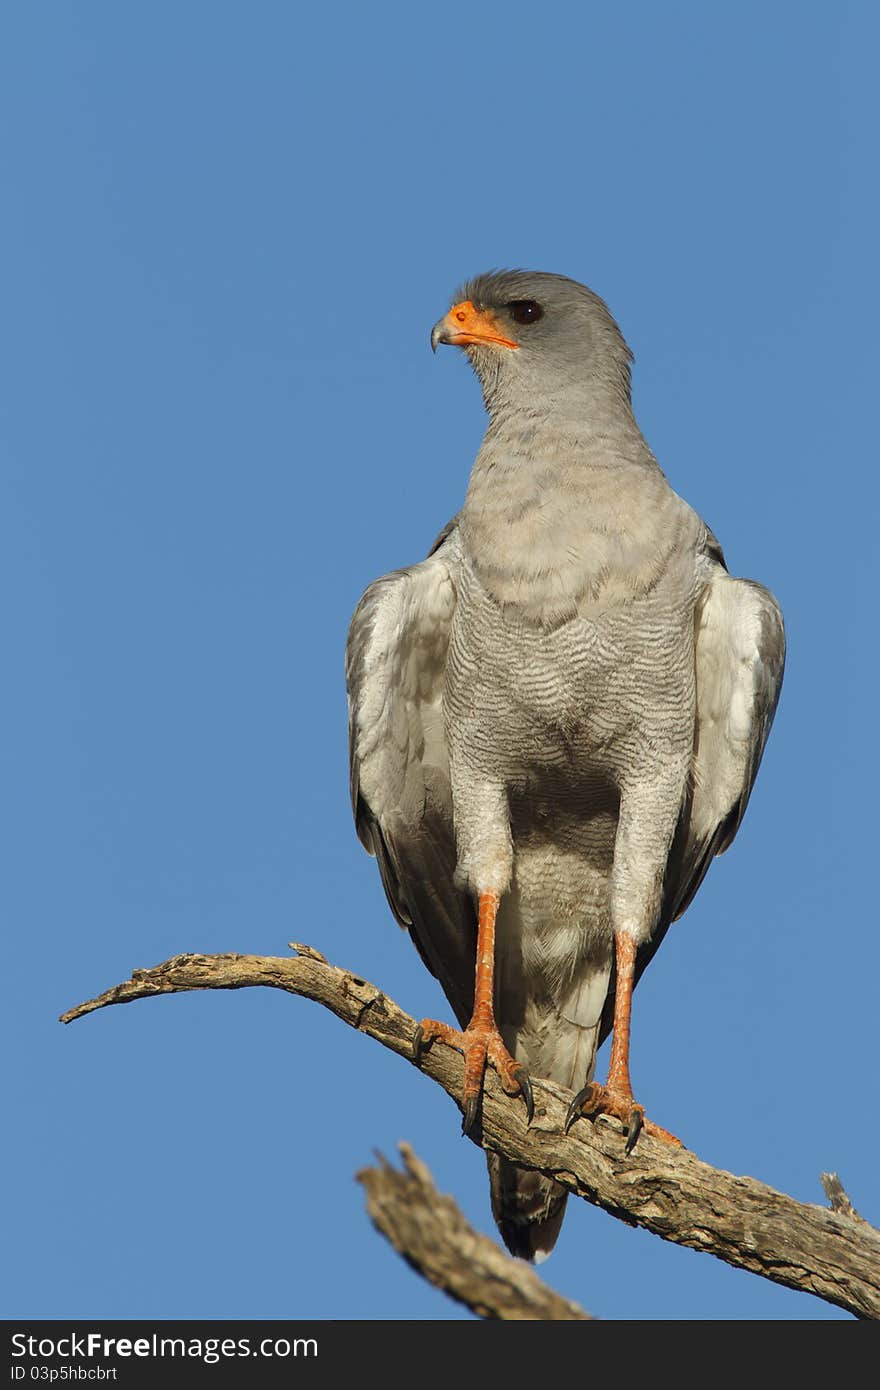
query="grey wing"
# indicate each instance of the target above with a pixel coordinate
(739, 655)
(395, 669)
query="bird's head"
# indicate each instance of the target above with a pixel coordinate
(536, 338)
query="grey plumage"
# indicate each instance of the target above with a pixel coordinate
(566, 703)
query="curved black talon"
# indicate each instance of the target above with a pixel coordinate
(525, 1086)
(419, 1043)
(634, 1128)
(470, 1114)
(575, 1110)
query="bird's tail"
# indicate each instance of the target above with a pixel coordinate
(528, 1207)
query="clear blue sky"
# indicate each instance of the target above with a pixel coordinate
(227, 230)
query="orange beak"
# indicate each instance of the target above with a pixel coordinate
(465, 323)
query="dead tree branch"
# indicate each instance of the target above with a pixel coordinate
(667, 1191)
(429, 1230)
(838, 1197)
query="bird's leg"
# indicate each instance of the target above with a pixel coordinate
(481, 1041)
(616, 1097)
(618, 1068)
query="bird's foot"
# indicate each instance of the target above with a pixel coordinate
(480, 1044)
(596, 1100)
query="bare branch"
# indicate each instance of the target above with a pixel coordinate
(427, 1228)
(667, 1191)
(837, 1196)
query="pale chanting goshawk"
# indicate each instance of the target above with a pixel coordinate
(555, 719)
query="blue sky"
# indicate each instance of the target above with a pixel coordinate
(227, 231)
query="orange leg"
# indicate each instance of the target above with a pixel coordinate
(616, 1097)
(480, 1042)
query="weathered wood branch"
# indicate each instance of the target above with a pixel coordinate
(838, 1198)
(667, 1191)
(429, 1230)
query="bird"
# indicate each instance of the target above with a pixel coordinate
(555, 720)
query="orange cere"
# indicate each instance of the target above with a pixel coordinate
(465, 323)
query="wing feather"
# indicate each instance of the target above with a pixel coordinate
(401, 797)
(740, 659)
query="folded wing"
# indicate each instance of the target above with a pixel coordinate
(740, 657)
(395, 668)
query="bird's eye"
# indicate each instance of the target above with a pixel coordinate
(525, 311)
